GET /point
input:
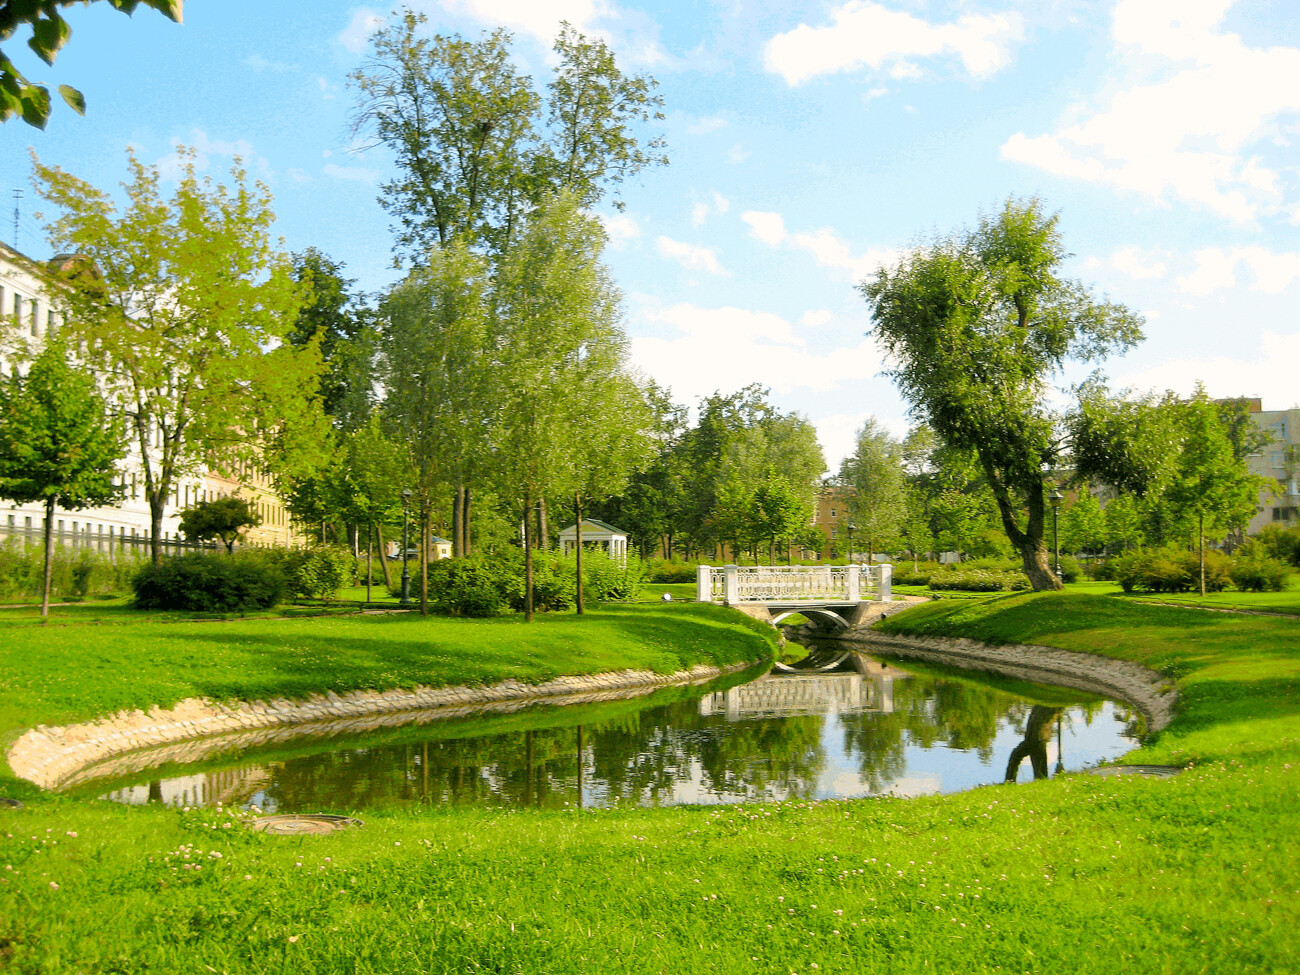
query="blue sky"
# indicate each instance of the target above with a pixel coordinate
(809, 143)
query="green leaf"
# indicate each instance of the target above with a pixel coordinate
(75, 99)
(48, 36)
(36, 105)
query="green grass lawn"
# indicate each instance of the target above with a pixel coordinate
(1197, 873)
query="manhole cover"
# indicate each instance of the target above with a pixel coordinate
(298, 825)
(7, 803)
(1148, 771)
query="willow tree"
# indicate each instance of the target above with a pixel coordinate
(186, 304)
(978, 325)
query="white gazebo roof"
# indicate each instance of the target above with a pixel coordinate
(593, 531)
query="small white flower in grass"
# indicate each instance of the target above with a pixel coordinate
(72, 833)
(53, 885)
(248, 876)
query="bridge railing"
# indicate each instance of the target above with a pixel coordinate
(793, 583)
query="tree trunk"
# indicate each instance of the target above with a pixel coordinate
(1200, 541)
(577, 513)
(528, 558)
(467, 510)
(370, 559)
(457, 521)
(543, 536)
(426, 521)
(157, 502)
(1029, 542)
(383, 558)
(49, 557)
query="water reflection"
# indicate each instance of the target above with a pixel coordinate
(780, 737)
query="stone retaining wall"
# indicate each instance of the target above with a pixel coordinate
(55, 757)
(1150, 692)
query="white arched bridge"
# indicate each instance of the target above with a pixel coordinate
(842, 596)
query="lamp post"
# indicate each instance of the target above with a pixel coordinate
(852, 528)
(406, 545)
(1055, 499)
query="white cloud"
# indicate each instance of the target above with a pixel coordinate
(728, 348)
(825, 245)
(620, 228)
(737, 154)
(815, 319)
(1209, 120)
(257, 62)
(1140, 264)
(704, 126)
(1267, 371)
(690, 256)
(867, 34)
(356, 36)
(1216, 270)
(700, 210)
(356, 174)
(205, 148)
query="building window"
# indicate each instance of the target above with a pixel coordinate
(832, 512)
(1275, 458)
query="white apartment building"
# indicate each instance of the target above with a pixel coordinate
(1280, 460)
(28, 313)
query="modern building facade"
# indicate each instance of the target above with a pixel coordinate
(1278, 459)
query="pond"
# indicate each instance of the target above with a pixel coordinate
(885, 728)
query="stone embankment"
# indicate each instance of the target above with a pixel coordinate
(1150, 692)
(130, 740)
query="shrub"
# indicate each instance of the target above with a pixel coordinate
(607, 579)
(468, 586)
(1282, 544)
(316, 573)
(905, 575)
(1071, 571)
(1259, 574)
(208, 584)
(1170, 570)
(74, 572)
(963, 579)
(662, 570)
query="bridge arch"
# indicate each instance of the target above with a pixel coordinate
(829, 615)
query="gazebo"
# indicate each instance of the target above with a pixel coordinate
(613, 540)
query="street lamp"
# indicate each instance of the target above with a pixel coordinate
(406, 545)
(1055, 499)
(852, 529)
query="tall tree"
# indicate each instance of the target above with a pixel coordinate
(554, 307)
(187, 304)
(1210, 482)
(477, 147)
(979, 323)
(331, 316)
(874, 475)
(436, 355)
(59, 444)
(50, 32)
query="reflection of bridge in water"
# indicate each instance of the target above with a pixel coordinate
(806, 695)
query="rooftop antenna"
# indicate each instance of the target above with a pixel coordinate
(18, 196)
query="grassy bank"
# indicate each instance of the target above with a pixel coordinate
(1191, 874)
(124, 660)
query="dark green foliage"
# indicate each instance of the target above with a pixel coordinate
(1260, 574)
(1169, 570)
(207, 584)
(465, 587)
(670, 570)
(317, 573)
(1280, 543)
(222, 518)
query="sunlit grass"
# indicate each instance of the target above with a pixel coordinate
(1077, 874)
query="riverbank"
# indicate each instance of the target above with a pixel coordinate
(122, 672)
(1080, 873)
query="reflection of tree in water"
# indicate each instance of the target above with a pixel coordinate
(647, 762)
(1038, 731)
(927, 711)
